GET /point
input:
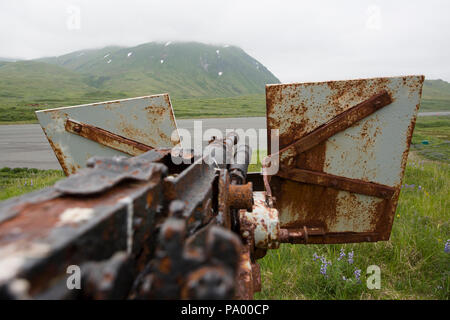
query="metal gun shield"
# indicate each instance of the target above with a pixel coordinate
(127, 127)
(343, 152)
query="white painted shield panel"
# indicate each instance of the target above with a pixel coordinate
(148, 120)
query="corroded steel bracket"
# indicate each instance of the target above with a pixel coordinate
(106, 138)
(340, 183)
(340, 122)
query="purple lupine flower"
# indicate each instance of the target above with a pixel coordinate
(324, 266)
(323, 269)
(447, 246)
(341, 254)
(344, 278)
(315, 256)
(357, 274)
(25, 183)
(31, 183)
(420, 187)
(350, 257)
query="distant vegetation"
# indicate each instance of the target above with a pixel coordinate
(17, 181)
(435, 96)
(431, 138)
(202, 80)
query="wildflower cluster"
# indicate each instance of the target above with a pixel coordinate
(357, 274)
(413, 187)
(26, 183)
(447, 246)
(341, 254)
(350, 257)
(324, 264)
(343, 265)
(417, 165)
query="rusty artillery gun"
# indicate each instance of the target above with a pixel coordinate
(144, 218)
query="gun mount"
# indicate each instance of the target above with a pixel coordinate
(148, 219)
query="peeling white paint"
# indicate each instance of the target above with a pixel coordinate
(75, 215)
(20, 288)
(13, 257)
(129, 203)
(9, 267)
(129, 54)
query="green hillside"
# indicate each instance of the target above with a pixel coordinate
(202, 80)
(435, 96)
(27, 86)
(184, 70)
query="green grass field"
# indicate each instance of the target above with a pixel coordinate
(20, 112)
(413, 263)
(431, 138)
(17, 181)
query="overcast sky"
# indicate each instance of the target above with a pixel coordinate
(297, 40)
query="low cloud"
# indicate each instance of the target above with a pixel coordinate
(296, 40)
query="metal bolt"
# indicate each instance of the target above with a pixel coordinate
(176, 208)
(77, 128)
(267, 162)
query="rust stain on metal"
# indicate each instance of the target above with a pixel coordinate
(341, 122)
(314, 159)
(282, 100)
(165, 265)
(106, 138)
(245, 290)
(340, 183)
(241, 196)
(260, 225)
(35, 220)
(67, 167)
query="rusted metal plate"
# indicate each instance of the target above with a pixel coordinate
(50, 233)
(371, 153)
(143, 123)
